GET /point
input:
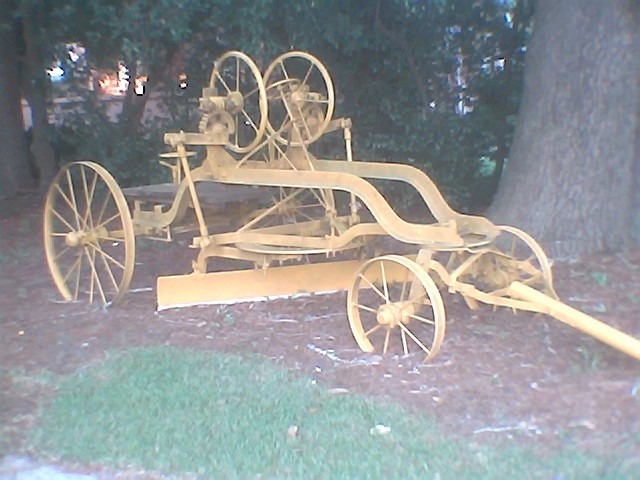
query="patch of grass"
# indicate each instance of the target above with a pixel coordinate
(599, 278)
(178, 411)
(590, 360)
(226, 314)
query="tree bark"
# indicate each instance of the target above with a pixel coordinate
(35, 91)
(15, 173)
(571, 177)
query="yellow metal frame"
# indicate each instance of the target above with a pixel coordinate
(258, 131)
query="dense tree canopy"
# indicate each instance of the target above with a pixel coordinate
(404, 70)
(435, 83)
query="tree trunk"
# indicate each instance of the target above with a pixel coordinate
(35, 91)
(15, 173)
(133, 105)
(571, 178)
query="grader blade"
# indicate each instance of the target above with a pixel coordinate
(257, 284)
(578, 320)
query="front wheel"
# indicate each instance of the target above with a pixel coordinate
(394, 304)
(88, 235)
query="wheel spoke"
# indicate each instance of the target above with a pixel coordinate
(307, 130)
(109, 238)
(101, 212)
(95, 278)
(383, 279)
(284, 70)
(365, 308)
(97, 249)
(250, 120)
(421, 319)
(76, 288)
(320, 101)
(252, 92)
(308, 74)
(373, 329)
(91, 273)
(72, 195)
(238, 74)
(74, 267)
(62, 252)
(404, 285)
(414, 338)
(420, 298)
(62, 219)
(108, 220)
(236, 133)
(104, 256)
(69, 203)
(403, 336)
(221, 80)
(375, 289)
(387, 335)
(87, 218)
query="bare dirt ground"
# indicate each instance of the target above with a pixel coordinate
(499, 377)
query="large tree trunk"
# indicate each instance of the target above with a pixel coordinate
(571, 178)
(15, 173)
(35, 91)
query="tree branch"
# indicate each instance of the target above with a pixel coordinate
(406, 50)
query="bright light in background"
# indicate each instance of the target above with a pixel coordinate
(56, 73)
(182, 81)
(141, 80)
(72, 62)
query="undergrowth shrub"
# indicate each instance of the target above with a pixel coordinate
(87, 133)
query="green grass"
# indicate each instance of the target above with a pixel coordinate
(178, 411)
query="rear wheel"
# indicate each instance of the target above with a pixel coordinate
(88, 235)
(515, 256)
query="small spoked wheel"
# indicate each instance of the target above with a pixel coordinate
(237, 78)
(88, 235)
(516, 256)
(301, 96)
(394, 304)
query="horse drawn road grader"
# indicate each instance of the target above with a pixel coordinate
(302, 224)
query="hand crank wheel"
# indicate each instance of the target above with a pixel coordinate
(236, 77)
(395, 304)
(301, 96)
(514, 256)
(88, 234)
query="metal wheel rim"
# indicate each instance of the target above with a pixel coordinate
(330, 102)
(217, 79)
(530, 264)
(74, 213)
(427, 295)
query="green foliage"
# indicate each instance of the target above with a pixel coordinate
(217, 416)
(400, 68)
(87, 133)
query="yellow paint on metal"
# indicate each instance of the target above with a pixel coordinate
(88, 234)
(579, 320)
(258, 130)
(257, 284)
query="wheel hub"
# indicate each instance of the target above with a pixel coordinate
(82, 238)
(391, 314)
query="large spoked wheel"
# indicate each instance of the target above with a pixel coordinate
(394, 304)
(515, 256)
(236, 77)
(301, 98)
(88, 235)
